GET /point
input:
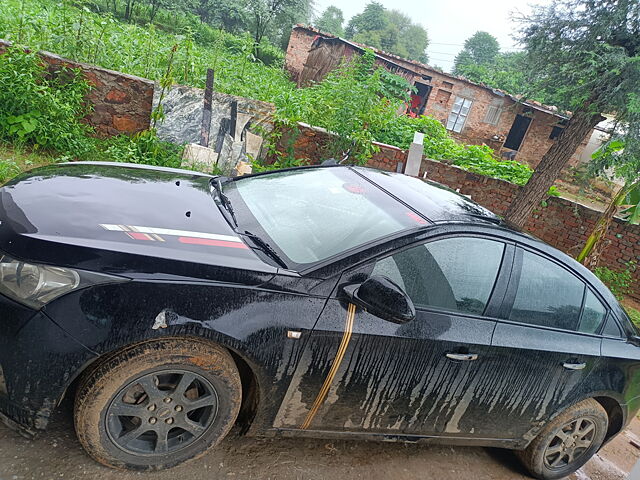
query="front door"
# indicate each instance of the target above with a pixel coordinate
(360, 373)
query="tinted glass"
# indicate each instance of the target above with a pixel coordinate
(611, 328)
(454, 274)
(592, 315)
(547, 294)
(313, 214)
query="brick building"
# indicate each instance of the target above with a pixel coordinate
(473, 113)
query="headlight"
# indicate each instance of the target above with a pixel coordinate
(36, 285)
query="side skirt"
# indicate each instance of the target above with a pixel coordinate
(517, 444)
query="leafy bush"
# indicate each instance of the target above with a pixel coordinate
(618, 281)
(144, 147)
(40, 109)
(398, 130)
(348, 102)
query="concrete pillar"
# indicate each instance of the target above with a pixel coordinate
(414, 157)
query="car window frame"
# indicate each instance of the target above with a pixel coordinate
(498, 290)
(512, 290)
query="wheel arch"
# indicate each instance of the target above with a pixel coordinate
(614, 413)
(251, 390)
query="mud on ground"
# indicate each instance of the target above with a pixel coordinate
(57, 454)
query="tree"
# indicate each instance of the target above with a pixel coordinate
(587, 52)
(331, 21)
(480, 49)
(506, 73)
(389, 30)
(274, 16)
(373, 18)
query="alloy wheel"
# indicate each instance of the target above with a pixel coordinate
(570, 443)
(161, 412)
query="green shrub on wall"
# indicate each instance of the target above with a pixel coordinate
(40, 109)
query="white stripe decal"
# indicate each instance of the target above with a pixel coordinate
(170, 232)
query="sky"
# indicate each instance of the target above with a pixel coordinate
(450, 22)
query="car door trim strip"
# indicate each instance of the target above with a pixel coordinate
(322, 395)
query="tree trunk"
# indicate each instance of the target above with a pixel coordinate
(552, 163)
(590, 254)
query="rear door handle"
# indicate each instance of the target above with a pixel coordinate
(574, 366)
(466, 357)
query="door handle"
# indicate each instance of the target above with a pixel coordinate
(574, 366)
(462, 356)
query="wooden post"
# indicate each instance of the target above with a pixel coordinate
(234, 119)
(206, 113)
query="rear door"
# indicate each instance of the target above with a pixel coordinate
(360, 373)
(544, 348)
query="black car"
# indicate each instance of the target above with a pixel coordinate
(322, 301)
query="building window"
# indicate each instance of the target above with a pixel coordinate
(555, 132)
(493, 115)
(459, 114)
(442, 97)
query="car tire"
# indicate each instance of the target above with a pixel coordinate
(560, 449)
(157, 404)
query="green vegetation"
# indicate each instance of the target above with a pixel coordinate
(15, 159)
(388, 30)
(99, 38)
(634, 315)
(359, 101)
(620, 282)
(43, 112)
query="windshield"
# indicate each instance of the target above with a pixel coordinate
(313, 214)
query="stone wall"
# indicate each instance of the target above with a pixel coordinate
(121, 103)
(562, 223)
(183, 107)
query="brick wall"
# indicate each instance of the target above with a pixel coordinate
(562, 223)
(121, 103)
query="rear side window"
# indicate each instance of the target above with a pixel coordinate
(547, 294)
(455, 274)
(593, 314)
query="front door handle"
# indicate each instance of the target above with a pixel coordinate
(574, 366)
(465, 357)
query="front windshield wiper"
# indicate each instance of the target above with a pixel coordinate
(266, 248)
(223, 199)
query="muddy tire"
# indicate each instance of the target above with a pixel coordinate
(567, 442)
(157, 404)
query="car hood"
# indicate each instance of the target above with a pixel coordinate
(112, 216)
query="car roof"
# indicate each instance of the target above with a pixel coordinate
(435, 201)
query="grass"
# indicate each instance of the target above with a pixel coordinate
(15, 160)
(96, 37)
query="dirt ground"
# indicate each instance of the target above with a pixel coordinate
(57, 454)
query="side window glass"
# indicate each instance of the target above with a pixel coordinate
(611, 328)
(455, 274)
(592, 315)
(387, 268)
(547, 294)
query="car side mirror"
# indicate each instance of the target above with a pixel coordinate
(383, 298)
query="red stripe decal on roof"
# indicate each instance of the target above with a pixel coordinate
(214, 243)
